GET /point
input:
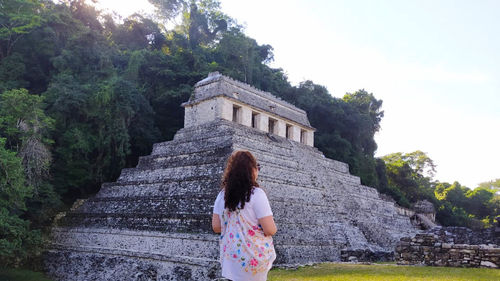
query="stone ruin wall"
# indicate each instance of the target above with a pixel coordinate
(451, 246)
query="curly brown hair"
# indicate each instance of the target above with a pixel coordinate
(238, 180)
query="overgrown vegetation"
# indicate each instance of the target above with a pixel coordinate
(83, 94)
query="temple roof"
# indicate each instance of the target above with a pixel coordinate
(217, 84)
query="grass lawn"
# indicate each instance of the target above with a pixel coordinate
(336, 272)
(383, 272)
(7, 274)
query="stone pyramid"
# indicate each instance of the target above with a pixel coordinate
(154, 222)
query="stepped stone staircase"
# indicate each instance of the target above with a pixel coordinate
(154, 222)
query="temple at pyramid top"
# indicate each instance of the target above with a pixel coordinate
(220, 97)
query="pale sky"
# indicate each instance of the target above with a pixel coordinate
(433, 63)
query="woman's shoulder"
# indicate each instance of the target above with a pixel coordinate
(258, 192)
(220, 194)
(257, 189)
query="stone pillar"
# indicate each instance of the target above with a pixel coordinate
(281, 128)
(310, 138)
(246, 116)
(262, 122)
(295, 133)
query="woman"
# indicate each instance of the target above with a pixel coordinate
(243, 216)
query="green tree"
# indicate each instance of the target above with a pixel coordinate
(27, 128)
(455, 194)
(479, 202)
(135, 33)
(96, 149)
(17, 18)
(199, 31)
(449, 215)
(369, 115)
(494, 206)
(169, 9)
(368, 105)
(12, 70)
(411, 173)
(17, 241)
(241, 57)
(492, 185)
(460, 205)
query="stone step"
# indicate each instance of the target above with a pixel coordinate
(179, 244)
(154, 242)
(282, 175)
(187, 146)
(265, 159)
(283, 197)
(285, 168)
(281, 147)
(201, 204)
(296, 210)
(88, 263)
(200, 157)
(303, 254)
(175, 222)
(287, 149)
(183, 244)
(316, 158)
(273, 177)
(286, 196)
(291, 192)
(171, 173)
(63, 255)
(264, 156)
(300, 165)
(285, 209)
(355, 239)
(238, 133)
(165, 181)
(187, 187)
(322, 233)
(235, 130)
(268, 154)
(206, 129)
(288, 230)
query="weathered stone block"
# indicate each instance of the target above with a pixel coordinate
(446, 245)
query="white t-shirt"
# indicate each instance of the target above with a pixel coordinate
(245, 252)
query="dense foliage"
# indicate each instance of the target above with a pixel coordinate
(410, 180)
(84, 94)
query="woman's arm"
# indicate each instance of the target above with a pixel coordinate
(268, 225)
(216, 223)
